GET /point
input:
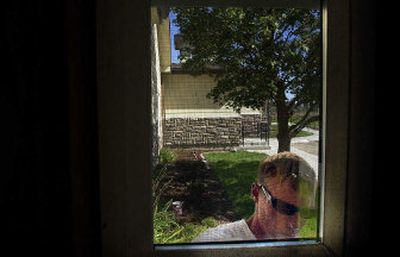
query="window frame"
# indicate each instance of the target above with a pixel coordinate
(124, 123)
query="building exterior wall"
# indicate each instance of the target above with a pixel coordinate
(189, 117)
(251, 125)
(187, 92)
(203, 132)
(192, 119)
(156, 108)
(164, 44)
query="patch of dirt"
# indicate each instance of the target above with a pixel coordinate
(195, 184)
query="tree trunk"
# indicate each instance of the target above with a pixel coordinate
(283, 130)
(283, 121)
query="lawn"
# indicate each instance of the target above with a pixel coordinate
(168, 230)
(274, 131)
(237, 170)
(296, 118)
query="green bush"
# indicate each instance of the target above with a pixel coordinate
(165, 226)
(167, 155)
(167, 230)
(160, 183)
(160, 179)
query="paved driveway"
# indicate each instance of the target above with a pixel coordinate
(306, 147)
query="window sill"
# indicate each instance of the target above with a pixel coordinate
(307, 248)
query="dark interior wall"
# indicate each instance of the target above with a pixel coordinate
(48, 185)
(361, 160)
(35, 184)
(80, 31)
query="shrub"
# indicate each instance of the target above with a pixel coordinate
(167, 155)
(160, 179)
(167, 230)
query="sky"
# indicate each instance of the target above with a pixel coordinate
(173, 30)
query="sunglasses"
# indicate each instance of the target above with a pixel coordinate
(279, 205)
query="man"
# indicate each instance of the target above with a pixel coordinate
(286, 186)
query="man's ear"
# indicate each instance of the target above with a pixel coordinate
(255, 191)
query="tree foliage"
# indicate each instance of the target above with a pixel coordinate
(262, 54)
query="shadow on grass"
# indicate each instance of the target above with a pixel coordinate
(237, 171)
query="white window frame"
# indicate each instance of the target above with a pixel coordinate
(124, 109)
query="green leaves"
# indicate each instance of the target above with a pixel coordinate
(262, 54)
(254, 48)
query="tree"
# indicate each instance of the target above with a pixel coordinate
(263, 54)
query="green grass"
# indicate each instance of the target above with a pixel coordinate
(274, 131)
(167, 155)
(237, 170)
(298, 116)
(309, 229)
(167, 230)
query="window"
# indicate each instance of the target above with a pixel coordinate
(245, 85)
(124, 123)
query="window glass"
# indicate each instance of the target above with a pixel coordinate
(236, 115)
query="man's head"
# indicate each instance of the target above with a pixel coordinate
(286, 186)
